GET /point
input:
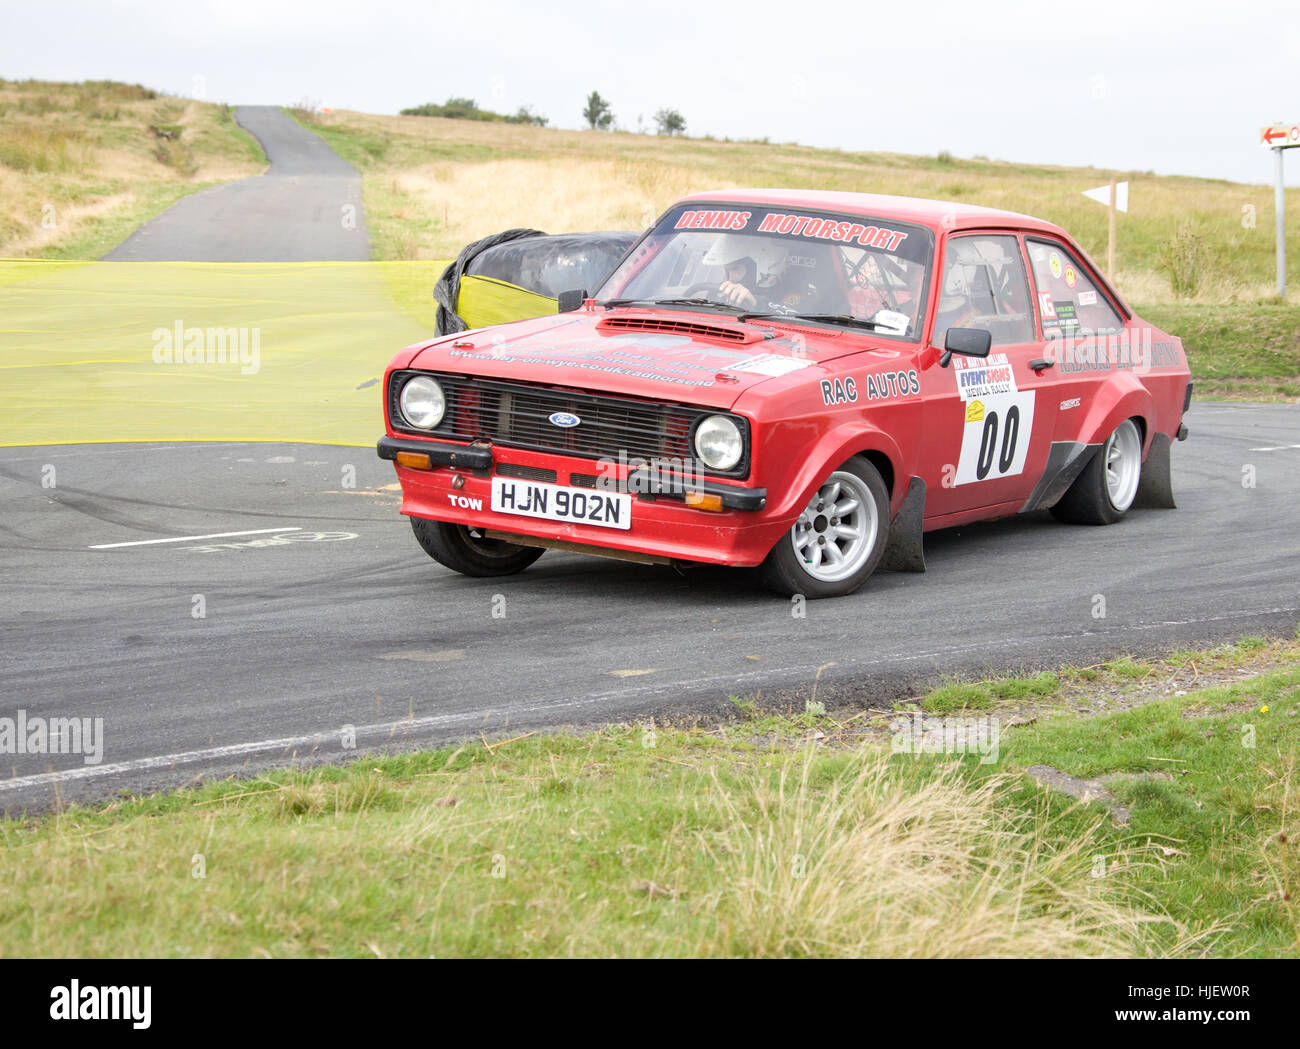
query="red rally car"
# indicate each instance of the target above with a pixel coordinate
(802, 381)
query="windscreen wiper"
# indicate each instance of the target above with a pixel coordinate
(670, 302)
(826, 318)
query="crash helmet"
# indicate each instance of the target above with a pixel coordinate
(767, 254)
(962, 258)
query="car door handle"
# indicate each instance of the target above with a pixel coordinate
(1041, 364)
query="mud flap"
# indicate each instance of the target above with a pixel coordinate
(906, 549)
(1065, 461)
(1155, 487)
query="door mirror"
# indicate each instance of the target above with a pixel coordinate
(969, 342)
(571, 300)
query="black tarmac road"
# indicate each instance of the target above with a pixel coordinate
(306, 208)
(211, 656)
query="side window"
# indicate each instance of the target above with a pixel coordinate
(984, 286)
(1068, 299)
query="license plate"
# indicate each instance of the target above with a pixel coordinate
(556, 502)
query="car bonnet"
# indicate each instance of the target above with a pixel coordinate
(681, 357)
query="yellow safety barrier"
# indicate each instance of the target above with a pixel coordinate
(486, 300)
(182, 351)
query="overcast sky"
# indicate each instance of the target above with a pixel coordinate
(1177, 88)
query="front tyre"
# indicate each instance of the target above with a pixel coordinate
(469, 552)
(1105, 490)
(839, 538)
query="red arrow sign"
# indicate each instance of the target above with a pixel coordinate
(1274, 133)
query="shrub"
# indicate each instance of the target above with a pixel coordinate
(670, 122)
(1184, 259)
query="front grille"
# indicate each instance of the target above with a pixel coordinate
(518, 415)
(526, 473)
(593, 481)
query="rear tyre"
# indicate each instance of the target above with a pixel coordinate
(838, 540)
(1103, 493)
(469, 552)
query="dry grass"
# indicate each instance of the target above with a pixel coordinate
(433, 184)
(1281, 848)
(586, 847)
(82, 163)
(874, 864)
(557, 195)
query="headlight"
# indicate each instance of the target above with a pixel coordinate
(422, 402)
(719, 443)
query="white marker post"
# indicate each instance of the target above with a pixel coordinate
(1278, 137)
(1115, 197)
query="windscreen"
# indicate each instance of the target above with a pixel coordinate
(783, 263)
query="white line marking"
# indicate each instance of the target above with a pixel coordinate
(385, 731)
(381, 733)
(1277, 448)
(191, 538)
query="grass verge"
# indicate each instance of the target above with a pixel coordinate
(1244, 350)
(794, 835)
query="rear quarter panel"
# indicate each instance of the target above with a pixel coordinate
(1143, 374)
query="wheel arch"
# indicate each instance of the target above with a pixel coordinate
(837, 447)
(1122, 396)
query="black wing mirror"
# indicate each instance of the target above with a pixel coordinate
(572, 300)
(969, 342)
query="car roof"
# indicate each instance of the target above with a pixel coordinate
(934, 213)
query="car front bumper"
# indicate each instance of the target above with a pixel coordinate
(668, 520)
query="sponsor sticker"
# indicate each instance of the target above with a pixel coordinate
(818, 227)
(1087, 298)
(839, 391)
(999, 419)
(714, 219)
(876, 386)
(981, 378)
(892, 384)
(770, 364)
(1066, 314)
(1045, 304)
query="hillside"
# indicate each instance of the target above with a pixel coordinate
(83, 165)
(433, 184)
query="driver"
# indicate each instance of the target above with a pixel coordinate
(758, 272)
(956, 309)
